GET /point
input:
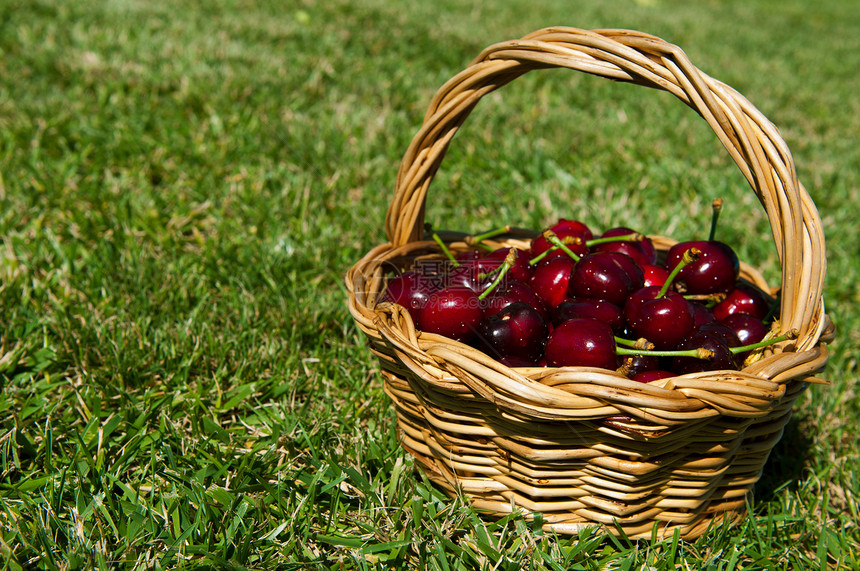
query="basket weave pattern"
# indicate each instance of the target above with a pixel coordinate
(588, 446)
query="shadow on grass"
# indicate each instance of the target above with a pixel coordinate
(787, 460)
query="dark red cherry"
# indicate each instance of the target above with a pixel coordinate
(723, 331)
(749, 329)
(598, 309)
(743, 298)
(454, 312)
(633, 365)
(664, 321)
(654, 274)
(508, 292)
(652, 375)
(517, 330)
(521, 270)
(411, 290)
(642, 252)
(563, 228)
(701, 313)
(723, 358)
(716, 270)
(551, 278)
(605, 275)
(473, 274)
(581, 343)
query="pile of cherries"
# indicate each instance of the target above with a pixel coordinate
(573, 299)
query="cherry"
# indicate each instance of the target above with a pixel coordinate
(520, 362)
(581, 343)
(637, 364)
(476, 274)
(411, 290)
(715, 271)
(723, 358)
(551, 278)
(516, 331)
(723, 331)
(743, 298)
(508, 292)
(454, 311)
(662, 319)
(563, 228)
(748, 328)
(520, 270)
(654, 275)
(701, 313)
(642, 251)
(610, 276)
(599, 309)
(652, 375)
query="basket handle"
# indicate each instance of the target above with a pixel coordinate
(624, 55)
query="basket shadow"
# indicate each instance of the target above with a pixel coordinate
(786, 463)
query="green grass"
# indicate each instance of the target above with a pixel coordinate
(184, 184)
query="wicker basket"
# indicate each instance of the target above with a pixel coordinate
(587, 446)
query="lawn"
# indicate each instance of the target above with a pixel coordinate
(183, 186)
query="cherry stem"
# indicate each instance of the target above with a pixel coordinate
(716, 207)
(634, 237)
(559, 243)
(566, 240)
(697, 353)
(793, 334)
(510, 260)
(640, 343)
(478, 238)
(710, 299)
(438, 240)
(690, 256)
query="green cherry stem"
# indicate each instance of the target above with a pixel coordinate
(697, 353)
(716, 208)
(640, 343)
(793, 334)
(444, 248)
(476, 239)
(634, 237)
(553, 239)
(709, 299)
(510, 260)
(690, 256)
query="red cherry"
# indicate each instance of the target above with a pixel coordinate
(610, 276)
(749, 329)
(723, 358)
(563, 228)
(551, 278)
(509, 292)
(664, 321)
(654, 275)
(743, 298)
(581, 343)
(517, 330)
(642, 252)
(411, 290)
(652, 375)
(716, 270)
(454, 312)
(598, 309)
(633, 365)
(521, 270)
(701, 314)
